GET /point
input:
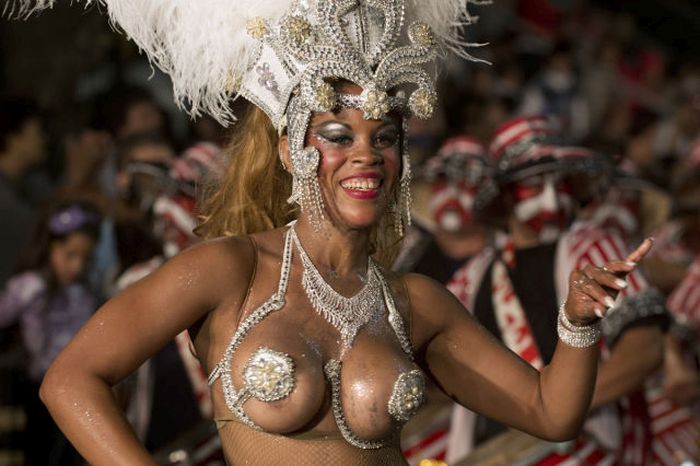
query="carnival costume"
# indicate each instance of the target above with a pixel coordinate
(284, 56)
(515, 294)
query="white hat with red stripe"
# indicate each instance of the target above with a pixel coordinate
(527, 146)
(516, 138)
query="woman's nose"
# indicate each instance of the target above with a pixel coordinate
(365, 153)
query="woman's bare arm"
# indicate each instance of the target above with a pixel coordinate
(484, 376)
(481, 374)
(128, 330)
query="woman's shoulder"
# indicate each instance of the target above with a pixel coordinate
(417, 284)
(225, 256)
(420, 290)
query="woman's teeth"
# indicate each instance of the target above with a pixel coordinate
(361, 184)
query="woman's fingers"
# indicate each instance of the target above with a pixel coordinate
(587, 300)
(620, 267)
(591, 287)
(605, 277)
(639, 253)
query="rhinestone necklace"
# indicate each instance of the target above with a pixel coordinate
(347, 315)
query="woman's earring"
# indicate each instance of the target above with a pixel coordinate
(306, 191)
(402, 212)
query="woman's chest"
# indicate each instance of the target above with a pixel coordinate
(294, 376)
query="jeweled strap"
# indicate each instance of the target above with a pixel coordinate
(276, 302)
(395, 319)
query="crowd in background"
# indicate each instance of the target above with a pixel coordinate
(100, 186)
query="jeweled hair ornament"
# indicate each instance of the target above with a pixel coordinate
(71, 219)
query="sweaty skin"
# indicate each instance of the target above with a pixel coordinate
(207, 285)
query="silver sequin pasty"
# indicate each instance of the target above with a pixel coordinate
(408, 395)
(269, 375)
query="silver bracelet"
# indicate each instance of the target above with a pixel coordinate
(576, 336)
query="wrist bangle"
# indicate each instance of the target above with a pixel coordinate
(576, 336)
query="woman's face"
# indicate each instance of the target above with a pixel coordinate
(70, 256)
(360, 164)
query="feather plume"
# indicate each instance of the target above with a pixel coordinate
(448, 19)
(201, 44)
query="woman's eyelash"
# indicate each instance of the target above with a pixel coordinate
(338, 139)
(387, 138)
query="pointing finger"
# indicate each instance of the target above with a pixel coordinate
(639, 253)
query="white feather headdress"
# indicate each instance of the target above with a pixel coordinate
(207, 49)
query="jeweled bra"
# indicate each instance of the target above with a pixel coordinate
(269, 375)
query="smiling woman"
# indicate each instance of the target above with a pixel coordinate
(316, 353)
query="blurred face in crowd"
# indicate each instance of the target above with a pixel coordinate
(142, 117)
(29, 143)
(145, 172)
(543, 204)
(452, 204)
(452, 201)
(70, 256)
(559, 74)
(640, 148)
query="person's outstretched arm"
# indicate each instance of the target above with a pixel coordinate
(481, 374)
(128, 330)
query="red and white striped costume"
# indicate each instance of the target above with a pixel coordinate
(675, 428)
(623, 427)
(684, 302)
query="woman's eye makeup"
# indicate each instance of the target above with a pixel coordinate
(339, 134)
(334, 133)
(386, 138)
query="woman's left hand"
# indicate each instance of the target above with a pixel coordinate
(592, 290)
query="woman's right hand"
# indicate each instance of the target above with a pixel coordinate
(592, 290)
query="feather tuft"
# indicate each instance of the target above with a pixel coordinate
(448, 20)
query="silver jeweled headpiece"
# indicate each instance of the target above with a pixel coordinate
(282, 55)
(362, 42)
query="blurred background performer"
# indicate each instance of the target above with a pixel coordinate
(444, 235)
(539, 184)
